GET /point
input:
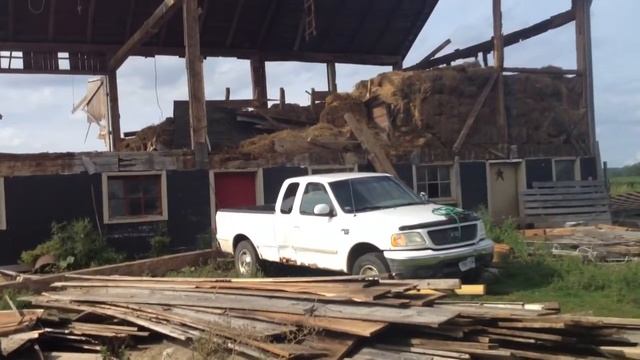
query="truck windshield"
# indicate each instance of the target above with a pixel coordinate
(372, 193)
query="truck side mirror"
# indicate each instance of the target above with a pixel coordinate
(322, 210)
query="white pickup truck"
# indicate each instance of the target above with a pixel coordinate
(359, 223)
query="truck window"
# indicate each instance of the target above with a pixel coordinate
(289, 196)
(314, 194)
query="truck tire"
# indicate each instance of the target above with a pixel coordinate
(246, 259)
(372, 263)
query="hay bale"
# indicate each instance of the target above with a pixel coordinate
(339, 104)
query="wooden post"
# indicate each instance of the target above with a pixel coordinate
(332, 84)
(227, 94)
(368, 141)
(195, 82)
(114, 111)
(259, 81)
(283, 98)
(582, 9)
(498, 58)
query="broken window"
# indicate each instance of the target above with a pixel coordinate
(434, 180)
(3, 216)
(565, 170)
(135, 197)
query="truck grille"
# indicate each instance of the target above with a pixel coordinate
(453, 235)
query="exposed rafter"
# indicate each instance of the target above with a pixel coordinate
(397, 5)
(234, 23)
(512, 38)
(52, 20)
(128, 30)
(268, 20)
(90, 20)
(147, 30)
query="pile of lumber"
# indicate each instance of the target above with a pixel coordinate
(601, 243)
(326, 317)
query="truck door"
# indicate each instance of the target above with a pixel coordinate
(317, 238)
(284, 218)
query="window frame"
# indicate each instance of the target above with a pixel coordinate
(107, 219)
(302, 191)
(576, 169)
(295, 198)
(452, 180)
(3, 207)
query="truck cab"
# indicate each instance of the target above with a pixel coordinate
(360, 223)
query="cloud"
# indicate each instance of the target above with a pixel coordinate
(10, 138)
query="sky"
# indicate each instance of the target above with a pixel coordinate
(37, 115)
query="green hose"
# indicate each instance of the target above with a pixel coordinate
(450, 211)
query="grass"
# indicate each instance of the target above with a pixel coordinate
(625, 184)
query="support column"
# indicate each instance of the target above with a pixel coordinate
(114, 111)
(259, 82)
(498, 58)
(332, 83)
(582, 9)
(195, 82)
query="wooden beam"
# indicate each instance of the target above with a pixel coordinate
(11, 19)
(332, 83)
(52, 20)
(259, 82)
(474, 112)
(195, 82)
(114, 111)
(300, 33)
(266, 24)
(150, 27)
(509, 39)
(430, 55)
(582, 10)
(234, 23)
(498, 59)
(132, 9)
(368, 141)
(90, 20)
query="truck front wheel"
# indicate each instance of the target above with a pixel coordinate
(370, 264)
(246, 259)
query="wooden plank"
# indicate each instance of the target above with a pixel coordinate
(375, 153)
(346, 326)
(594, 191)
(154, 266)
(115, 135)
(429, 56)
(566, 203)
(251, 280)
(474, 112)
(145, 32)
(424, 284)
(594, 196)
(234, 23)
(573, 210)
(195, 83)
(559, 184)
(498, 59)
(416, 315)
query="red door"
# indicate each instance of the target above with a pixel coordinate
(235, 189)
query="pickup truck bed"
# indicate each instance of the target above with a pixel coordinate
(260, 209)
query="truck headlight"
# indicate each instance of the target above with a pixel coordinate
(408, 239)
(482, 232)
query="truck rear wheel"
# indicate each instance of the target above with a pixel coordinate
(371, 264)
(246, 259)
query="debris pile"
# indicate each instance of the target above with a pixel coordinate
(327, 317)
(151, 138)
(602, 243)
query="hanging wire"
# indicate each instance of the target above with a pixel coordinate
(37, 12)
(155, 78)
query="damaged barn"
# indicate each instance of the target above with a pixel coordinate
(457, 133)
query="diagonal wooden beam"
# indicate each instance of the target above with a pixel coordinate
(150, 27)
(268, 20)
(90, 20)
(52, 19)
(430, 55)
(474, 112)
(234, 23)
(509, 39)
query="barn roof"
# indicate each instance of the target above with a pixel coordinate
(350, 31)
